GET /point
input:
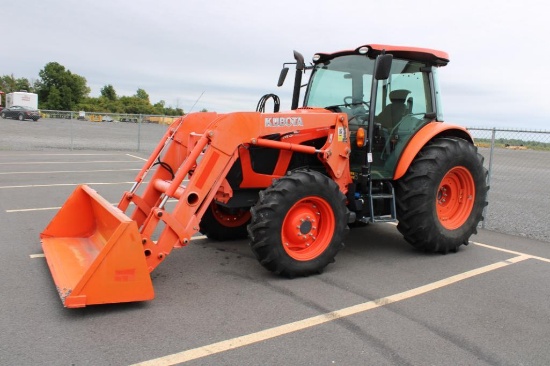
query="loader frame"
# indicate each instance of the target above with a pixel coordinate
(218, 141)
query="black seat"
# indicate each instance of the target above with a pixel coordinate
(393, 112)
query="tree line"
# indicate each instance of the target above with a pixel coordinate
(503, 142)
(60, 89)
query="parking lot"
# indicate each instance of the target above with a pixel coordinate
(380, 303)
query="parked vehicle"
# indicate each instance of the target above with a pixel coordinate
(23, 99)
(21, 113)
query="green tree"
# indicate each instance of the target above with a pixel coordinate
(58, 82)
(55, 99)
(142, 94)
(9, 84)
(136, 105)
(108, 91)
(169, 111)
(23, 84)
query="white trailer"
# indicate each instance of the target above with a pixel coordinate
(23, 99)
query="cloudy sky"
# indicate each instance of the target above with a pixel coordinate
(233, 50)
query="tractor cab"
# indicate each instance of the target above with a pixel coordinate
(388, 94)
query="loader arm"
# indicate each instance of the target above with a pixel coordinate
(218, 149)
(168, 155)
(99, 253)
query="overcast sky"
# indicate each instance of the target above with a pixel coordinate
(233, 50)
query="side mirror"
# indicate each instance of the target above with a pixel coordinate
(383, 66)
(282, 76)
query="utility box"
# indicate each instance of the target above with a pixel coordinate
(23, 99)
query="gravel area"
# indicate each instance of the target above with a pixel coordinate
(518, 201)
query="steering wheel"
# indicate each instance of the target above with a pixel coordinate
(359, 110)
(348, 102)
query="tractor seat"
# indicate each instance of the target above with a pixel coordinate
(393, 112)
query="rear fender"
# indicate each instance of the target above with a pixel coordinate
(422, 137)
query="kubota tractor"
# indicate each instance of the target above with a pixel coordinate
(367, 145)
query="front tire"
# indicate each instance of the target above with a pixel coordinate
(440, 199)
(299, 223)
(21, 117)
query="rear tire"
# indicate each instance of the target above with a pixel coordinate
(21, 117)
(440, 199)
(220, 223)
(299, 223)
(3, 115)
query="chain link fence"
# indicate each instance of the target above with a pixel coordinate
(81, 131)
(108, 117)
(518, 162)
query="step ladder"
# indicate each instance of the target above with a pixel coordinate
(392, 217)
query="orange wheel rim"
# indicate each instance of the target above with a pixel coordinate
(308, 228)
(230, 218)
(455, 198)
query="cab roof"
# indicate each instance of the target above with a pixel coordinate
(434, 57)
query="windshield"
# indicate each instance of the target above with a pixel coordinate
(342, 80)
(403, 104)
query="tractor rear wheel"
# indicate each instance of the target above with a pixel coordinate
(299, 224)
(440, 199)
(221, 223)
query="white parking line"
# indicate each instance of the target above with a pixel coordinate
(64, 184)
(70, 171)
(67, 162)
(510, 251)
(33, 209)
(61, 154)
(274, 332)
(137, 157)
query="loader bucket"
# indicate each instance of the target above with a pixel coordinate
(95, 253)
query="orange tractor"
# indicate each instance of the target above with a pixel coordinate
(367, 145)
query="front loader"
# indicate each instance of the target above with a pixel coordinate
(368, 145)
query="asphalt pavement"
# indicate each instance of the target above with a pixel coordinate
(380, 303)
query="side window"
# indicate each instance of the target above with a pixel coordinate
(416, 83)
(407, 75)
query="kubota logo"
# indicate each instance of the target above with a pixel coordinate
(283, 121)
